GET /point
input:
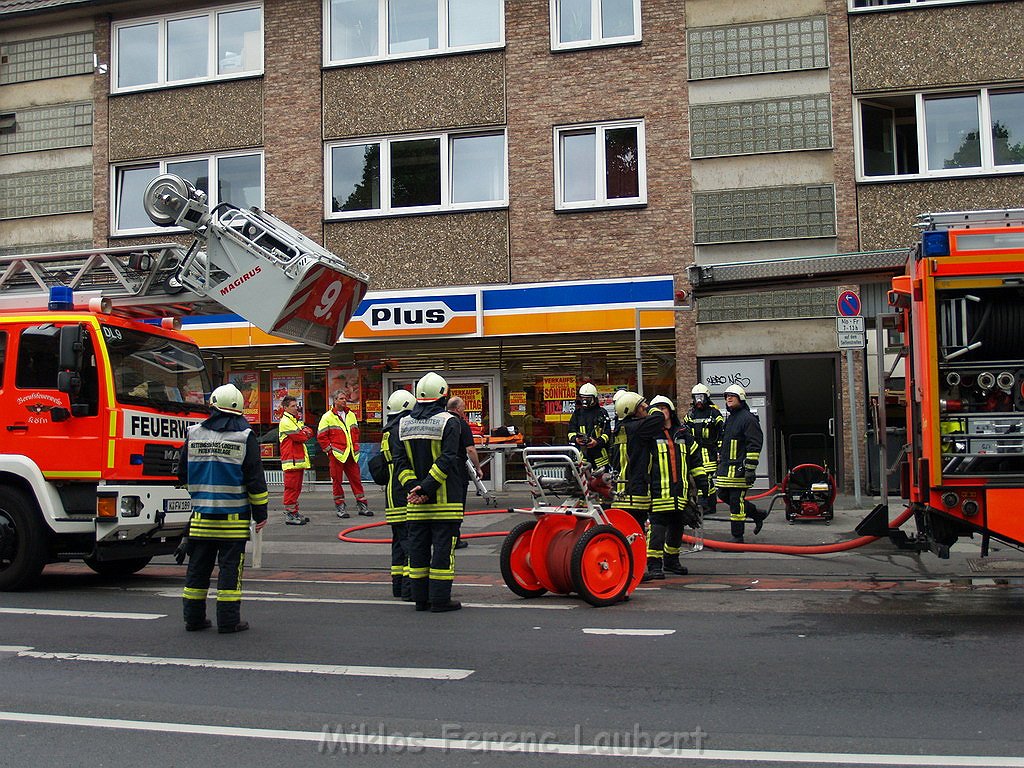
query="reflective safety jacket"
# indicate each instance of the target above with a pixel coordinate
(591, 423)
(338, 435)
(394, 493)
(221, 466)
(635, 456)
(676, 461)
(742, 440)
(429, 458)
(705, 426)
(293, 434)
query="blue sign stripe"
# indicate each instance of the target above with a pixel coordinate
(578, 294)
(457, 303)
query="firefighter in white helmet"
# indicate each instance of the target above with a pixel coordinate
(589, 428)
(705, 422)
(742, 440)
(675, 468)
(399, 404)
(427, 462)
(638, 430)
(221, 466)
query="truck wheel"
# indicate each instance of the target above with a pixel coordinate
(118, 568)
(22, 541)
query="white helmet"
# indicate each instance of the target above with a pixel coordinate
(401, 401)
(627, 404)
(700, 389)
(736, 389)
(430, 388)
(588, 390)
(228, 399)
(662, 400)
(617, 394)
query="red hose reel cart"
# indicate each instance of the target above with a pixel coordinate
(572, 545)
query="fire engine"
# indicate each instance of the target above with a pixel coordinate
(98, 385)
(960, 312)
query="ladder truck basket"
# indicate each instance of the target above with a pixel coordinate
(257, 266)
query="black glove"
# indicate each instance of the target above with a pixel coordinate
(750, 477)
(181, 551)
(702, 485)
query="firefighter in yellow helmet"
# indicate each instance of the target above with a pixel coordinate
(674, 466)
(638, 429)
(742, 440)
(427, 462)
(589, 428)
(399, 404)
(705, 422)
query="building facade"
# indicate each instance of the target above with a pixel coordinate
(543, 192)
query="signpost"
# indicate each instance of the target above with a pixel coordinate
(850, 334)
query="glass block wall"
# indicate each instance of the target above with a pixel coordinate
(745, 49)
(45, 57)
(764, 213)
(769, 125)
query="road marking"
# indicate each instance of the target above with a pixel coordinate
(392, 602)
(415, 673)
(632, 632)
(84, 614)
(345, 581)
(330, 741)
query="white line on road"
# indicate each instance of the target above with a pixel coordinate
(634, 632)
(83, 614)
(356, 582)
(331, 741)
(415, 673)
(392, 602)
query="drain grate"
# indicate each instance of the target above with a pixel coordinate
(996, 566)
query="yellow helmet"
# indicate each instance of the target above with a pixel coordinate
(227, 398)
(431, 387)
(588, 390)
(662, 400)
(627, 404)
(401, 401)
(736, 389)
(700, 389)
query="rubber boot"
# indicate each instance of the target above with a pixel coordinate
(655, 569)
(736, 528)
(672, 565)
(758, 516)
(396, 586)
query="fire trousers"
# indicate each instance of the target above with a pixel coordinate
(229, 555)
(348, 469)
(292, 489)
(432, 559)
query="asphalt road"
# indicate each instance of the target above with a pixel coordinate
(874, 657)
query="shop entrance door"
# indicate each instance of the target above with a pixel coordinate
(484, 397)
(803, 395)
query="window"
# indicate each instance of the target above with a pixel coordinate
(941, 134)
(188, 48)
(449, 171)
(366, 30)
(600, 165)
(857, 5)
(236, 179)
(3, 355)
(583, 23)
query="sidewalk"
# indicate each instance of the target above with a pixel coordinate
(316, 546)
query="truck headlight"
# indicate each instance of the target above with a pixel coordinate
(131, 506)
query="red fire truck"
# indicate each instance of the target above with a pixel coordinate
(98, 386)
(961, 313)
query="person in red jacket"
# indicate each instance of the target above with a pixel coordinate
(293, 434)
(338, 435)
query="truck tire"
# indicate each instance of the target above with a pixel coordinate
(118, 568)
(23, 541)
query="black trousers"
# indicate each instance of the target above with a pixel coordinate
(229, 556)
(432, 559)
(666, 533)
(739, 508)
(400, 559)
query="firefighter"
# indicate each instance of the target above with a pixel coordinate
(293, 434)
(427, 462)
(399, 404)
(221, 466)
(338, 435)
(639, 429)
(737, 462)
(675, 467)
(589, 428)
(617, 444)
(705, 422)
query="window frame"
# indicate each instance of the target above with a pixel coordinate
(383, 52)
(594, 41)
(602, 201)
(386, 209)
(212, 42)
(900, 5)
(988, 166)
(162, 163)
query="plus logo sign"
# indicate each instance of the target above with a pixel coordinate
(848, 304)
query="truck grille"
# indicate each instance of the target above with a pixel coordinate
(159, 460)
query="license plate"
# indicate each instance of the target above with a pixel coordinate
(177, 505)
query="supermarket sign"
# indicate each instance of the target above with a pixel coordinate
(409, 316)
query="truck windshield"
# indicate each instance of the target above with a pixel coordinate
(156, 371)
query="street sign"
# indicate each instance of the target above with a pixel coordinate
(848, 304)
(851, 339)
(849, 324)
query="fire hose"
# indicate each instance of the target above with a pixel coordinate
(724, 546)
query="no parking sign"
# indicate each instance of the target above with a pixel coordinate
(848, 304)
